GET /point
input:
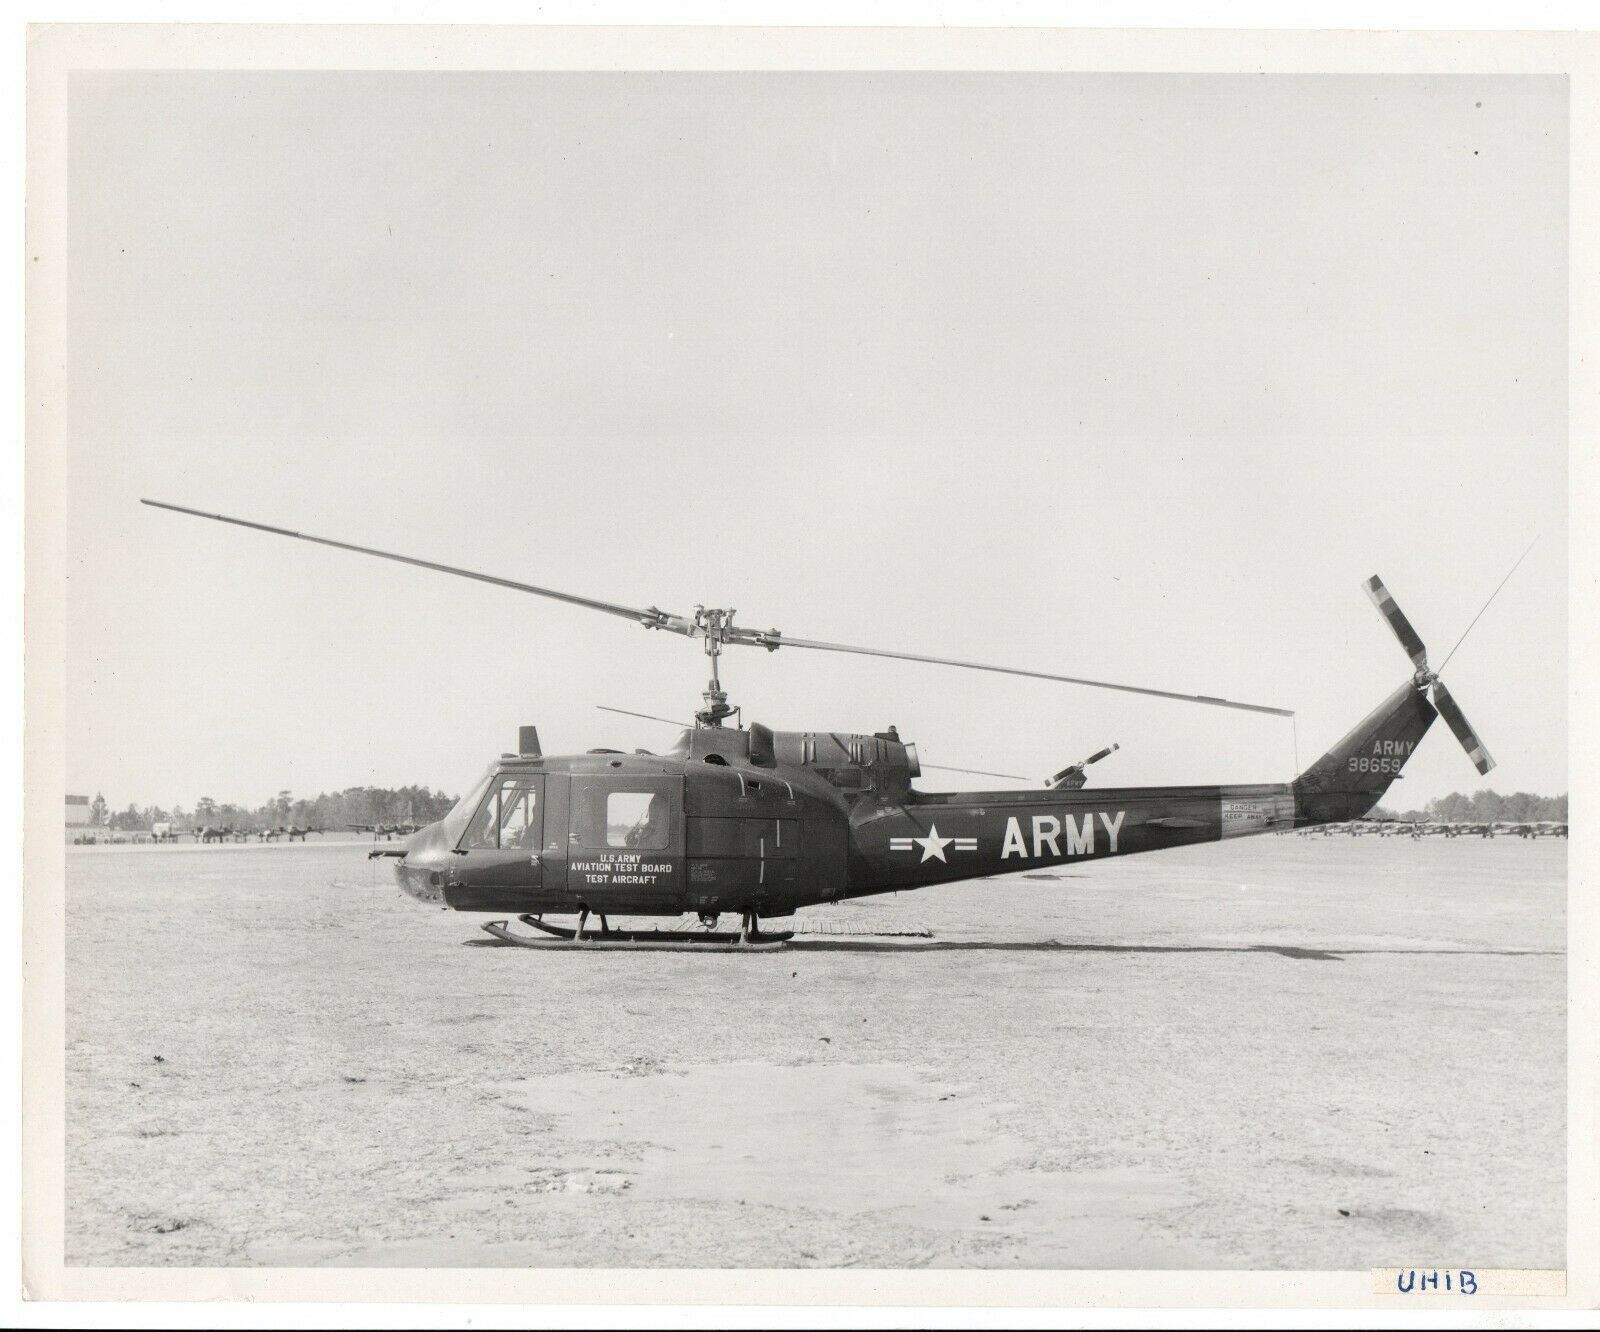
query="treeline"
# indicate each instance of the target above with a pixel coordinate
(1485, 807)
(335, 809)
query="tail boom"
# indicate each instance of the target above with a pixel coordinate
(942, 838)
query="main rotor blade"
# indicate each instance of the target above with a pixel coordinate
(1390, 610)
(1457, 721)
(785, 641)
(651, 618)
(654, 618)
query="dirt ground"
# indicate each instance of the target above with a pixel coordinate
(1280, 1053)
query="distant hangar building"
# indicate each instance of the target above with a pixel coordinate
(77, 813)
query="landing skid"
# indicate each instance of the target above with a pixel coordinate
(702, 941)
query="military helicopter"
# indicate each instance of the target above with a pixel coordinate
(744, 819)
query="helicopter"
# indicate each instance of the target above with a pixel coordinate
(741, 818)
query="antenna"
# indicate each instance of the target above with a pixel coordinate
(1485, 606)
(648, 716)
(976, 772)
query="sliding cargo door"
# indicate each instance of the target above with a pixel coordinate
(626, 850)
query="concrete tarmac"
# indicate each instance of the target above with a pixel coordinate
(1278, 1053)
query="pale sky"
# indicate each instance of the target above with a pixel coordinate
(1129, 376)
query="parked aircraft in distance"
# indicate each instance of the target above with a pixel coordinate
(384, 831)
(292, 833)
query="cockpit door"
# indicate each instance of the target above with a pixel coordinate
(502, 843)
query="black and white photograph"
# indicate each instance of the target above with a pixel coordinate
(802, 665)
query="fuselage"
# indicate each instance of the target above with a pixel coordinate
(764, 821)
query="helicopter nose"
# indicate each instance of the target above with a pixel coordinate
(421, 871)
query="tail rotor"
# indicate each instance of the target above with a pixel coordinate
(1457, 721)
(1429, 680)
(1410, 640)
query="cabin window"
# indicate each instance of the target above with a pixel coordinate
(639, 819)
(508, 817)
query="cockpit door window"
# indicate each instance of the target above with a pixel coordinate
(508, 819)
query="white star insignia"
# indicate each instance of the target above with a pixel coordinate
(933, 845)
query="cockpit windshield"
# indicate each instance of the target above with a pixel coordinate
(455, 822)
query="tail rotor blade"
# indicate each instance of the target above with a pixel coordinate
(1457, 721)
(1390, 610)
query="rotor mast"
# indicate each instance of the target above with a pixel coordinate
(712, 625)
